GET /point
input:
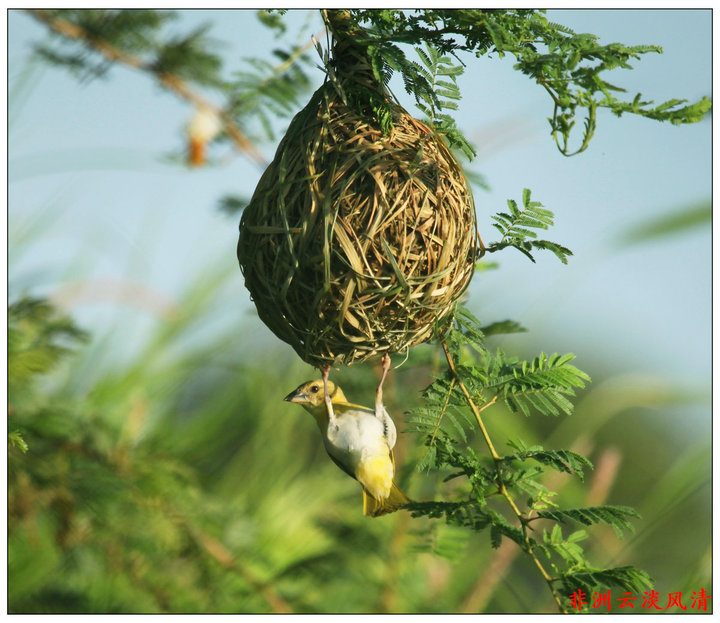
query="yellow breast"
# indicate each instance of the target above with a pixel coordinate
(375, 473)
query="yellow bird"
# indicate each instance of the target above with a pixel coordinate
(359, 440)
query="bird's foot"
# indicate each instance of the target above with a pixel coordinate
(379, 391)
(328, 401)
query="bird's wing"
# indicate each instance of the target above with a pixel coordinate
(389, 429)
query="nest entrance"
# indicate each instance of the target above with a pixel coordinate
(357, 243)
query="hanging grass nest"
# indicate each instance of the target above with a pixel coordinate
(357, 242)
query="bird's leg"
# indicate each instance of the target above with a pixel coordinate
(378, 392)
(328, 401)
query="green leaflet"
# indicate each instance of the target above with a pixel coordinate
(560, 460)
(587, 580)
(447, 421)
(571, 67)
(615, 516)
(516, 228)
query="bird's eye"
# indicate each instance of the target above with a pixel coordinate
(314, 389)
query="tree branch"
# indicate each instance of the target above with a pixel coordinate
(220, 553)
(502, 489)
(169, 81)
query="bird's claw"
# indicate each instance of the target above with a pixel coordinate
(328, 401)
(378, 391)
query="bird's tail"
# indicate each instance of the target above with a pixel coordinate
(375, 507)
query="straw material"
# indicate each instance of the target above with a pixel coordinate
(357, 243)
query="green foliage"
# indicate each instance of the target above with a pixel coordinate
(502, 327)
(155, 490)
(569, 66)
(38, 337)
(615, 516)
(517, 225)
(128, 32)
(232, 204)
(578, 576)
(15, 440)
(543, 383)
(477, 379)
(188, 57)
(560, 460)
(689, 218)
(87, 42)
(273, 19)
(627, 578)
(268, 90)
(434, 85)
(108, 509)
(82, 474)
(443, 539)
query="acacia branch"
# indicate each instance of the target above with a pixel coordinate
(526, 544)
(169, 81)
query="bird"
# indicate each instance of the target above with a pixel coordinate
(204, 126)
(359, 440)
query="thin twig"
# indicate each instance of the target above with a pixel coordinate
(476, 411)
(221, 554)
(502, 489)
(480, 593)
(169, 81)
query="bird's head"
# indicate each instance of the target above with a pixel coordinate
(311, 394)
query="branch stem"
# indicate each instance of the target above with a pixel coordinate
(526, 545)
(476, 411)
(171, 82)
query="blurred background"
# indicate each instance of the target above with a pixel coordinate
(163, 471)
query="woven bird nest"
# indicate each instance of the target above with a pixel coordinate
(355, 242)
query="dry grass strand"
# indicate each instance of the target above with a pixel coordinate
(357, 243)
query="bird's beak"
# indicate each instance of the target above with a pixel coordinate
(296, 396)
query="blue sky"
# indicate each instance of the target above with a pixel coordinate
(88, 174)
